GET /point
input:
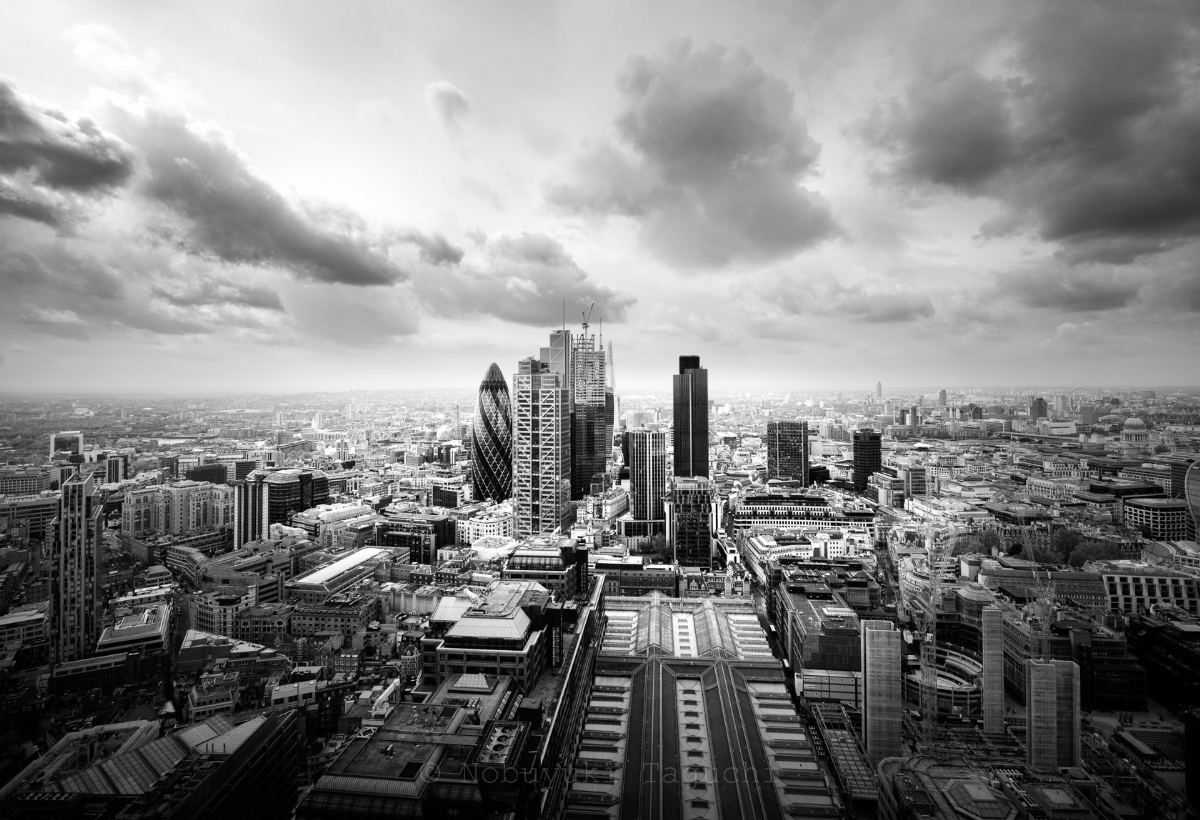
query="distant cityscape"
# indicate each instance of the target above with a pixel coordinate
(548, 598)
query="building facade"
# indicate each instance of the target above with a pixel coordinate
(541, 449)
(75, 571)
(491, 438)
(690, 431)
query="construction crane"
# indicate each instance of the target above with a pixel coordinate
(1043, 613)
(936, 549)
(587, 314)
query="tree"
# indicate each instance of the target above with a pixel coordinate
(1062, 542)
(1093, 551)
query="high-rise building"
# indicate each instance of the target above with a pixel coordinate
(993, 670)
(787, 450)
(541, 473)
(1191, 494)
(269, 497)
(590, 439)
(491, 439)
(647, 463)
(690, 430)
(1052, 705)
(868, 457)
(880, 697)
(75, 571)
(690, 521)
(941, 398)
(115, 469)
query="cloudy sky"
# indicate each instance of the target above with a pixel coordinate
(286, 197)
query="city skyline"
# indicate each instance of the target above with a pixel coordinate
(421, 194)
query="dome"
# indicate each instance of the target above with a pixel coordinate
(1134, 423)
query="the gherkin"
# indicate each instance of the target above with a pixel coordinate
(492, 438)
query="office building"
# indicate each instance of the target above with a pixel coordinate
(491, 438)
(881, 703)
(1191, 494)
(689, 521)
(75, 571)
(542, 443)
(787, 450)
(269, 497)
(992, 627)
(647, 461)
(590, 439)
(868, 457)
(70, 441)
(1052, 701)
(690, 429)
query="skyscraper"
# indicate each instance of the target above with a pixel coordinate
(993, 670)
(880, 701)
(868, 457)
(691, 418)
(787, 450)
(491, 438)
(75, 571)
(1191, 494)
(689, 521)
(269, 497)
(589, 413)
(1052, 705)
(541, 443)
(647, 473)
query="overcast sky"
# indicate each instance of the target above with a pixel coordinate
(296, 196)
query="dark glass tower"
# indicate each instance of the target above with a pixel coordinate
(868, 457)
(787, 450)
(691, 418)
(491, 438)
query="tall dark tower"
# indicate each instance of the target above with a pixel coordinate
(787, 450)
(491, 438)
(868, 457)
(691, 418)
(75, 603)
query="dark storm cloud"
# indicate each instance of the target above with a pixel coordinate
(708, 160)
(951, 130)
(432, 248)
(230, 213)
(216, 292)
(822, 295)
(53, 267)
(448, 103)
(524, 279)
(48, 160)
(1089, 138)
(1071, 290)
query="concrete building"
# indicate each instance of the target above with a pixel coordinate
(1052, 708)
(881, 705)
(541, 445)
(75, 560)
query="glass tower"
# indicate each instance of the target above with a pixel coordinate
(491, 438)
(691, 418)
(787, 450)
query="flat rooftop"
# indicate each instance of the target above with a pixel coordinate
(322, 575)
